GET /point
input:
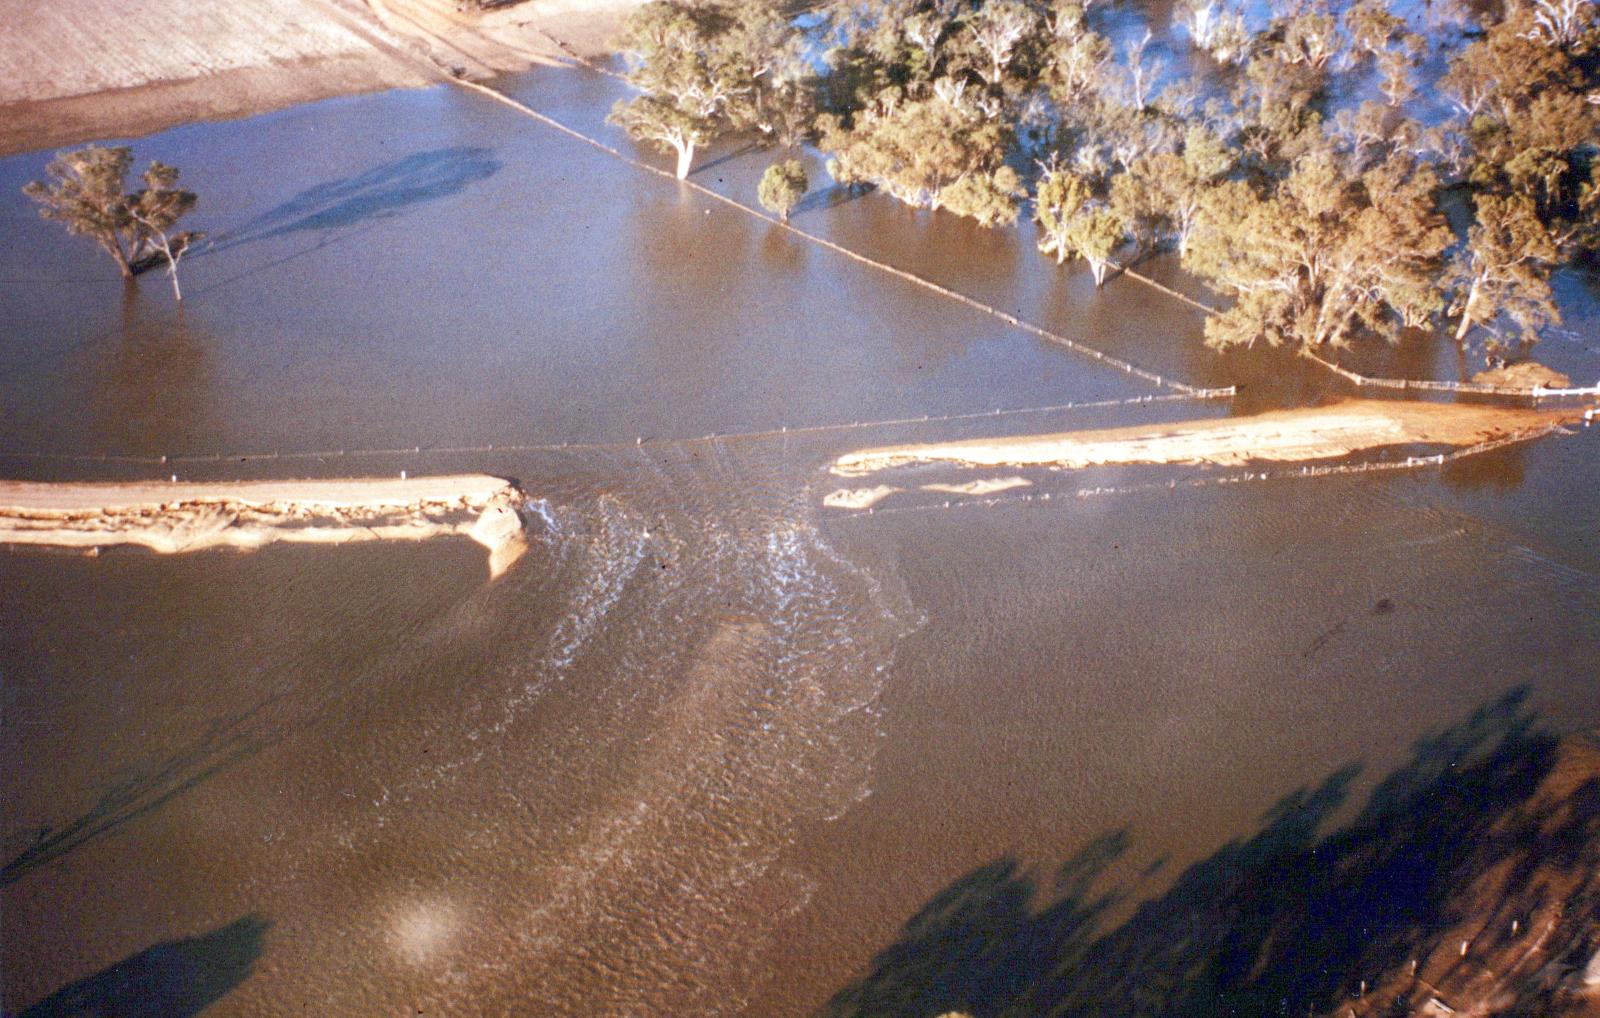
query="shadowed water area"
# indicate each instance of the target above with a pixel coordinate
(709, 746)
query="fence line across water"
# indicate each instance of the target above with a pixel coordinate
(1436, 385)
(641, 441)
(1401, 384)
(1126, 367)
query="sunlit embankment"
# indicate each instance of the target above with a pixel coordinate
(185, 516)
(1314, 433)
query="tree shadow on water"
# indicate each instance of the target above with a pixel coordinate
(139, 791)
(379, 192)
(174, 979)
(1455, 845)
(830, 197)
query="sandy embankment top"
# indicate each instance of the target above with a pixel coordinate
(77, 70)
(181, 517)
(36, 499)
(1282, 436)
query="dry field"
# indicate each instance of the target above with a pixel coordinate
(75, 70)
(75, 47)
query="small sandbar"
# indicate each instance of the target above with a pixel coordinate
(190, 516)
(858, 498)
(1281, 436)
(985, 486)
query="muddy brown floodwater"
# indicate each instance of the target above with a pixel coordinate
(709, 745)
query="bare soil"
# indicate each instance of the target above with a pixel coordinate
(79, 70)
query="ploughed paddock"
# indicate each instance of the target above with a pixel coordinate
(76, 70)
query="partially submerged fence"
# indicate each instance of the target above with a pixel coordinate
(1433, 385)
(1127, 367)
(652, 442)
(1109, 360)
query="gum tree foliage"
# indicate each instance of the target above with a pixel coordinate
(1078, 60)
(707, 68)
(1216, 28)
(921, 151)
(1526, 91)
(87, 193)
(782, 187)
(1504, 269)
(1160, 195)
(990, 198)
(997, 30)
(1313, 211)
(1322, 256)
(1074, 223)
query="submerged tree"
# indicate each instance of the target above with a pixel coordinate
(989, 197)
(707, 68)
(1074, 222)
(782, 187)
(1322, 257)
(1505, 269)
(916, 149)
(87, 194)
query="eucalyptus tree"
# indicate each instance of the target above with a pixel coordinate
(1160, 196)
(1073, 222)
(997, 31)
(916, 149)
(1321, 257)
(1140, 71)
(990, 197)
(1372, 28)
(1077, 60)
(1216, 28)
(1279, 111)
(87, 193)
(1529, 117)
(1309, 36)
(782, 187)
(1504, 270)
(703, 69)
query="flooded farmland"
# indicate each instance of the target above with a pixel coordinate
(711, 745)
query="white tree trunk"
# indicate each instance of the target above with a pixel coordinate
(685, 157)
(1466, 310)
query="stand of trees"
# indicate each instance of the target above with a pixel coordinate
(1316, 213)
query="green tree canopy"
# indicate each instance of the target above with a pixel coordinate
(1073, 222)
(782, 187)
(1505, 268)
(87, 194)
(915, 149)
(1322, 256)
(706, 68)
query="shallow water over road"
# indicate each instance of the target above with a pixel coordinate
(710, 744)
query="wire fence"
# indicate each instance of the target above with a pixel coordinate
(1101, 356)
(641, 441)
(1436, 385)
